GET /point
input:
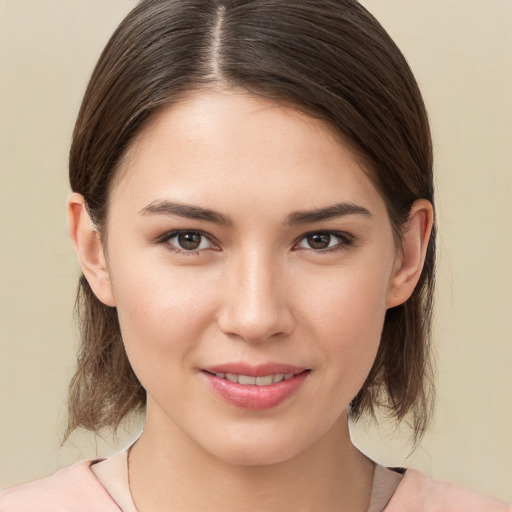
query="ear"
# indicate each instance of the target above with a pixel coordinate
(89, 250)
(410, 260)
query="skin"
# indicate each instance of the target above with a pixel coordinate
(254, 291)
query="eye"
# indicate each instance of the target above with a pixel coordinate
(188, 241)
(324, 241)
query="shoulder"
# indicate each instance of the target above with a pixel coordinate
(72, 489)
(418, 493)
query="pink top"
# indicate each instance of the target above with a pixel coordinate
(76, 489)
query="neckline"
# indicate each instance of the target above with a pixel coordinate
(385, 484)
(112, 474)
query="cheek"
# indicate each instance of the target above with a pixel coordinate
(162, 310)
(347, 320)
(348, 302)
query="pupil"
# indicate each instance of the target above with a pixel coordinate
(189, 241)
(319, 240)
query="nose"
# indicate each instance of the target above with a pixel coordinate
(256, 306)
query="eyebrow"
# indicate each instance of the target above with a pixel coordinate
(171, 208)
(330, 212)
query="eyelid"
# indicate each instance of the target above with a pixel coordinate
(345, 240)
(164, 239)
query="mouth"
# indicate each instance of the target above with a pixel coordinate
(255, 387)
(249, 380)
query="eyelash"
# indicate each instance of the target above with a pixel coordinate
(344, 240)
(165, 239)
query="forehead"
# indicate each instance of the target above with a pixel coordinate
(223, 146)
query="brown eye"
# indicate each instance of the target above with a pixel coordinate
(319, 240)
(325, 241)
(188, 241)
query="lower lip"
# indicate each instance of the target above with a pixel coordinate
(255, 398)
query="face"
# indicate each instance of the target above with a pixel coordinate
(251, 261)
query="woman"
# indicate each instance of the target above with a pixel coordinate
(252, 209)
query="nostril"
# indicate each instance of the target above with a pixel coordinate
(255, 324)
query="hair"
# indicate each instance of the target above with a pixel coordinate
(328, 58)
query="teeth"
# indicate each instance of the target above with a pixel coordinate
(264, 381)
(247, 380)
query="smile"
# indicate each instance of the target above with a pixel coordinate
(247, 380)
(255, 388)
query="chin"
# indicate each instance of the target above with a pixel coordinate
(260, 449)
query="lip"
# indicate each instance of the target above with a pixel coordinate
(259, 370)
(253, 397)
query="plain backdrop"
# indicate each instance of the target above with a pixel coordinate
(461, 53)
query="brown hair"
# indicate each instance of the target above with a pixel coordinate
(328, 58)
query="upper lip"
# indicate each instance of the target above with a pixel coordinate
(259, 370)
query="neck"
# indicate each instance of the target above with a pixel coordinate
(171, 473)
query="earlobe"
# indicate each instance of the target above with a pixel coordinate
(89, 250)
(409, 263)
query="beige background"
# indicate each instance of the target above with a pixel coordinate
(461, 52)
